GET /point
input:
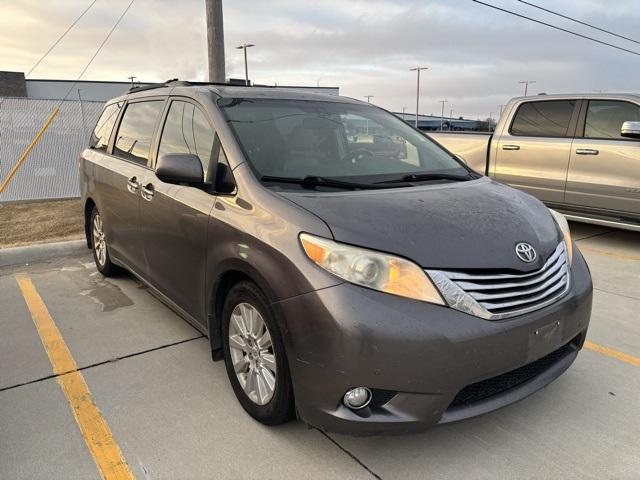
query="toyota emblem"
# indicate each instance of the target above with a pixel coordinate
(526, 252)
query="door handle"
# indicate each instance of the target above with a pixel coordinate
(146, 192)
(511, 147)
(587, 151)
(133, 185)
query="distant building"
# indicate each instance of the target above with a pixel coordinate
(14, 84)
(432, 122)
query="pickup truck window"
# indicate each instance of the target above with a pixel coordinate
(549, 118)
(102, 132)
(133, 140)
(605, 118)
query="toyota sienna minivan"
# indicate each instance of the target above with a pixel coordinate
(349, 270)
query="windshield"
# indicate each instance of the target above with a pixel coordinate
(299, 138)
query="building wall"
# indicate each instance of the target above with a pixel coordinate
(90, 91)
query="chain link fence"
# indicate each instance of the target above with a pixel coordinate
(51, 170)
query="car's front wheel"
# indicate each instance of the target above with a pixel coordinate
(254, 356)
(99, 245)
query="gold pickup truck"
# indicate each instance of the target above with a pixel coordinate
(579, 154)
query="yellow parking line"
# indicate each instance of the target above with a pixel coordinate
(624, 357)
(621, 256)
(97, 434)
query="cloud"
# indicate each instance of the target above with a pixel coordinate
(475, 55)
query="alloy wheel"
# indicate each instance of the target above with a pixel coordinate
(99, 243)
(252, 353)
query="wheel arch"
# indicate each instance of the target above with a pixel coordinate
(88, 208)
(229, 274)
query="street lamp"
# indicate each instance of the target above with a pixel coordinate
(417, 69)
(442, 113)
(526, 85)
(450, 117)
(244, 47)
(368, 97)
(132, 78)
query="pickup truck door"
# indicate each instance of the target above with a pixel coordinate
(533, 151)
(604, 170)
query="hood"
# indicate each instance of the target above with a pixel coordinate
(465, 225)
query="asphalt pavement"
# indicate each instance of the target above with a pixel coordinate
(145, 377)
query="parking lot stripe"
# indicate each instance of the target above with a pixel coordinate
(97, 435)
(624, 357)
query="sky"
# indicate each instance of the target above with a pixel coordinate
(476, 56)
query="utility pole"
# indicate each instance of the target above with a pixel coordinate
(417, 69)
(132, 78)
(501, 107)
(490, 120)
(526, 85)
(215, 40)
(442, 113)
(368, 97)
(451, 117)
(244, 47)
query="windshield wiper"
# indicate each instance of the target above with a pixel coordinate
(315, 181)
(420, 177)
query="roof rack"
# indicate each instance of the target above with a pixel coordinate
(174, 82)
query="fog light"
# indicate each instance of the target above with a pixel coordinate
(357, 398)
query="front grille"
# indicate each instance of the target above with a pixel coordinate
(496, 385)
(495, 294)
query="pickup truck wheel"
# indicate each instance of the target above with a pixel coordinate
(254, 356)
(99, 246)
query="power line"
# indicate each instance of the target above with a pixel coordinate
(556, 27)
(64, 34)
(106, 39)
(579, 21)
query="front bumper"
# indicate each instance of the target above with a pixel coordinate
(418, 356)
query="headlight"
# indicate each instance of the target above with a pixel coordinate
(566, 233)
(379, 271)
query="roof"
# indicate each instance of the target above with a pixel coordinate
(223, 90)
(558, 96)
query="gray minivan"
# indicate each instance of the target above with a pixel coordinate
(348, 270)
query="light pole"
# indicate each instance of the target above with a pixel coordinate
(501, 107)
(132, 78)
(490, 120)
(526, 85)
(450, 117)
(417, 69)
(215, 40)
(404, 109)
(244, 47)
(442, 113)
(368, 97)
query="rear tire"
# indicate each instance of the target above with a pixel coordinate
(99, 246)
(255, 357)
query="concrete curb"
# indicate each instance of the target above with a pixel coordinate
(38, 253)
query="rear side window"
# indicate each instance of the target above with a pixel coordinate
(187, 130)
(133, 140)
(102, 132)
(543, 119)
(605, 118)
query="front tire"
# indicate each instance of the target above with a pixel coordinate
(255, 357)
(99, 246)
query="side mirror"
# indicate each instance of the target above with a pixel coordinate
(180, 168)
(224, 179)
(630, 129)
